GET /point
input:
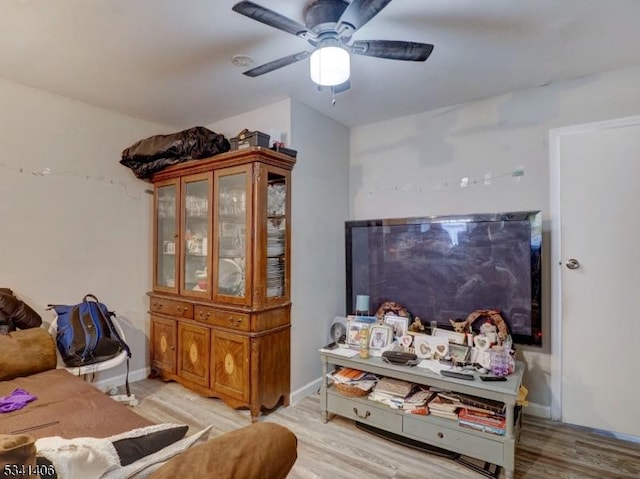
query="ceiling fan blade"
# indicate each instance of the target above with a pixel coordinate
(275, 64)
(269, 17)
(392, 49)
(360, 12)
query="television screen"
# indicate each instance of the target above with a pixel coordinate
(446, 267)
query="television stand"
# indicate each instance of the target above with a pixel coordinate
(443, 434)
(485, 469)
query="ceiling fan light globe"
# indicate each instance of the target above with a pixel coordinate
(330, 66)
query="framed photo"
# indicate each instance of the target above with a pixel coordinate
(399, 324)
(452, 336)
(430, 347)
(354, 327)
(459, 352)
(380, 336)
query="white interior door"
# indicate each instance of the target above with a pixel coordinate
(599, 220)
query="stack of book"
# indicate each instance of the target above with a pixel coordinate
(391, 392)
(443, 407)
(478, 413)
(475, 403)
(480, 421)
(416, 402)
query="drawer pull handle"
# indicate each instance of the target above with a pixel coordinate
(203, 315)
(440, 435)
(361, 416)
(235, 321)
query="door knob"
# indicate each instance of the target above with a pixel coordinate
(572, 263)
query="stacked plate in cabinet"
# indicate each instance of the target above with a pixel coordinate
(275, 260)
(275, 277)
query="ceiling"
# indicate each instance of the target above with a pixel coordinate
(169, 61)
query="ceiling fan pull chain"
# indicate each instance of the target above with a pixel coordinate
(333, 96)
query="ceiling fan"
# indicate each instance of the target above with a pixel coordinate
(330, 24)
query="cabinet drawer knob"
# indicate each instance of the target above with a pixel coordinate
(234, 321)
(361, 416)
(440, 435)
(204, 315)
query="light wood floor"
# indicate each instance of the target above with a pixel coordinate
(339, 450)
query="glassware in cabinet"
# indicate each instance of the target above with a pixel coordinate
(166, 233)
(233, 195)
(196, 225)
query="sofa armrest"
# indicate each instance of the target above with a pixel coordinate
(260, 451)
(25, 352)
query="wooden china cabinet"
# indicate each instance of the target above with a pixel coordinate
(220, 305)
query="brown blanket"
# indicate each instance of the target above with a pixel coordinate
(66, 406)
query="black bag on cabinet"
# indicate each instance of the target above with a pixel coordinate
(148, 156)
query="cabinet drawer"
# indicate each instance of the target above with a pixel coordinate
(456, 440)
(365, 411)
(171, 307)
(224, 319)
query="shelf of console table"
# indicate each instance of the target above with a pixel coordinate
(432, 430)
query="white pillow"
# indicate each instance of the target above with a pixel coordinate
(93, 458)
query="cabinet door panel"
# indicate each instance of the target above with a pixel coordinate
(195, 234)
(230, 372)
(165, 224)
(193, 360)
(164, 339)
(273, 238)
(232, 223)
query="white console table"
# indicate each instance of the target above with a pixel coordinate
(436, 431)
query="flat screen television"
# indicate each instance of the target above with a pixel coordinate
(446, 267)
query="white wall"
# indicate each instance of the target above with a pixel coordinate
(319, 208)
(85, 228)
(414, 165)
(274, 120)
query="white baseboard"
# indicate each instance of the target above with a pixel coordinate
(306, 390)
(538, 410)
(105, 382)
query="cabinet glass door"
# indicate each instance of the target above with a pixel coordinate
(196, 193)
(233, 200)
(277, 238)
(166, 229)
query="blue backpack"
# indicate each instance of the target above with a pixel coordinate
(86, 333)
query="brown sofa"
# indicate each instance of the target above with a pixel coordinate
(68, 407)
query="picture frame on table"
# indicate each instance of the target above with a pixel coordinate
(430, 347)
(355, 324)
(459, 353)
(380, 337)
(452, 336)
(399, 324)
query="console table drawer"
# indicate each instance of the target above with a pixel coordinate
(223, 319)
(454, 440)
(365, 411)
(171, 307)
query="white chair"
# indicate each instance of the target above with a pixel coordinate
(88, 372)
